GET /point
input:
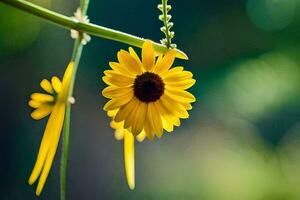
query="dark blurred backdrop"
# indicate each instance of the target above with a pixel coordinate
(241, 141)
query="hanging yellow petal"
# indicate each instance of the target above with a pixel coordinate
(56, 131)
(35, 104)
(56, 84)
(129, 159)
(42, 97)
(46, 85)
(66, 82)
(41, 112)
(44, 147)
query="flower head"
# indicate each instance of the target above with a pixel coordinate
(53, 103)
(79, 17)
(147, 95)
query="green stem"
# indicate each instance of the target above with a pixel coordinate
(65, 154)
(92, 29)
(76, 55)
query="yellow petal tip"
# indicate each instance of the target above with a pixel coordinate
(38, 192)
(181, 55)
(33, 116)
(30, 181)
(131, 186)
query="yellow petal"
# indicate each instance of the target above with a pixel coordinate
(183, 85)
(169, 114)
(148, 128)
(173, 71)
(140, 137)
(116, 92)
(180, 95)
(56, 84)
(129, 62)
(148, 55)
(165, 63)
(42, 97)
(155, 119)
(120, 68)
(112, 113)
(167, 125)
(181, 55)
(135, 56)
(173, 107)
(129, 159)
(66, 82)
(41, 112)
(117, 102)
(44, 146)
(119, 130)
(118, 80)
(116, 125)
(177, 122)
(112, 73)
(35, 104)
(119, 134)
(130, 120)
(55, 135)
(184, 75)
(126, 110)
(139, 118)
(188, 106)
(158, 63)
(46, 85)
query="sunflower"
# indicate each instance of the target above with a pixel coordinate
(147, 95)
(54, 104)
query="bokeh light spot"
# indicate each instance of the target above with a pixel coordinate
(18, 30)
(258, 87)
(271, 15)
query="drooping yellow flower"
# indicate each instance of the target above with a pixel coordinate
(53, 103)
(146, 97)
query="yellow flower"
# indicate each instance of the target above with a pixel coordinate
(148, 95)
(53, 103)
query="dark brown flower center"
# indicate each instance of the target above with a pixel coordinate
(148, 87)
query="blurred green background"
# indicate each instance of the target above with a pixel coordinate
(242, 141)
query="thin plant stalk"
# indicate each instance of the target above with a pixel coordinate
(76, 55)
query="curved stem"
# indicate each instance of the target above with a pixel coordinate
(89, 28)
